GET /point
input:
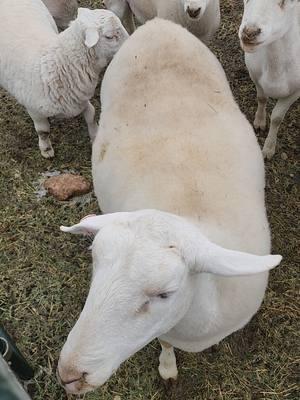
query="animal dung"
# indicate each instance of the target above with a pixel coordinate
(65, 186)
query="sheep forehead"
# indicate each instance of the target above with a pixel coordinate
(140, 233)
(113, 241)
(156, 271)
(138, 251)
(99, 18)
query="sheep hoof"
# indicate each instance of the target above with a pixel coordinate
(93, 131)
(170, 384)
(168, 373)
(48, 152)
(268, 152)
(260, 125)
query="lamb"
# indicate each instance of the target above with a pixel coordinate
(182, 254)
(270, 36)
(55, 74)
(201, 17)
(63, 11)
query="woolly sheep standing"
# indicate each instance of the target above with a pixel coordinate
(55, 74)
(201, 17)
(270, 36)
(182, 148)
(63, 11)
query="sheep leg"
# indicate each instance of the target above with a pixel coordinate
(277, 116)
(42, 127)
(260, 121)
(128, 20)
(89, 116)
(167, 361)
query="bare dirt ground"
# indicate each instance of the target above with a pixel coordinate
(44, 274)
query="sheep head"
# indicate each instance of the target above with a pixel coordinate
(102, 31)
(144, 264)
(265, 22)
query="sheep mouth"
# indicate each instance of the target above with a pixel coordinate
(79, 388)
(248, 46)
(83, 389)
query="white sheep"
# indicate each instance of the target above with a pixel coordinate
(63, 11)
(193, 269)
(55, 74)
(201, 17)
(270, 36)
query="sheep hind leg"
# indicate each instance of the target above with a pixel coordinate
(278, 113)
(167, 362)
(89, 116)
(42, 127)
(260, 121)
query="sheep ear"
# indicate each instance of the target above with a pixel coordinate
(209, 257)
(91, 224)
(91, 37)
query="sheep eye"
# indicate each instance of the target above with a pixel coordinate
(163, 295)
(109, 37)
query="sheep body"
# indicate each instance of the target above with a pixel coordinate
(63, 11)
(179, 168)
(182, 145)
(272, 57)
(52, 74)
(204, 26)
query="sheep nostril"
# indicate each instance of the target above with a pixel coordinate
(250, 34)
(193, 13)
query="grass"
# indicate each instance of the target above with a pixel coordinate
(44, 274)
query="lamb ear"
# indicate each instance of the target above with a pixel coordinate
(209, 257)
(91, 37)
(91, 224)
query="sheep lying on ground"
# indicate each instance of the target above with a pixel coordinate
(63, 11)
(270, 37)
(55, 74)
(182, 148)
(201, 17)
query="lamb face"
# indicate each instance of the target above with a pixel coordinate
(143, 284)
(265, 22)
(103, 31)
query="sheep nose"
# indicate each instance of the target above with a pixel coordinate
(193, 12)
(250, 34)
(70, 378)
